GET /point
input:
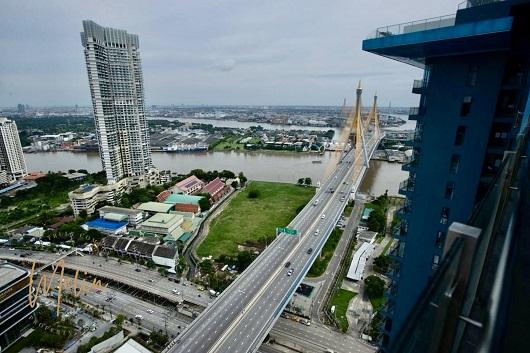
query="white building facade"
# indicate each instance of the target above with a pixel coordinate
(12, 162)
(116, 86)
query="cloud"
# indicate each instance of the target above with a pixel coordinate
(224, 65)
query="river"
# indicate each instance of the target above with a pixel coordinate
(267, 166)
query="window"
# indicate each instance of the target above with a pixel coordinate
(449, 190)
(440, 237)
(435, 261)
(445, 215)
(460, 134)
(471, 79)
(455, 163)
(466, 106)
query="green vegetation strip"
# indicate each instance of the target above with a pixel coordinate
(340, 300)
(253, 221)
(320, 264)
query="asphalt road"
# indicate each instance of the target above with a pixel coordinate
(239, 319)
(314, 338)
(124, 273)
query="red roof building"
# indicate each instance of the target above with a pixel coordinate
(217, 189)
(190, 185)
(187, 207)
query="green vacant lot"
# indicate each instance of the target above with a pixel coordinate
(253, 221)
(341, 299)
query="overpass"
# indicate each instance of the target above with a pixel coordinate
(241, 317)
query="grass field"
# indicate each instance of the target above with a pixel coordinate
(229, 143)
(341, 299)
(253, 221)
(319, 266)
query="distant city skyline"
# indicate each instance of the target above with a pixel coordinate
(237, 53)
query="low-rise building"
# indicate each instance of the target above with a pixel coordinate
(138, 248)
(189, 185)
(106, 226)
(155, 207)
(182, 198)
(75, 176)
(111, 213)
(87, 196)
(26, 232)
(184, 207)
(16, 313)
(216, 189)
(166, 256)
(367, 236)
(358, 263)
(162, 224)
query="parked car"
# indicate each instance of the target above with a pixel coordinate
(310, 250)
(287, 264)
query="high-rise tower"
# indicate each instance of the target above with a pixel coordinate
(12, 162)
(474, 98)
(116, 86)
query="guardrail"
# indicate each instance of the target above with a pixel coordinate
(415, 26)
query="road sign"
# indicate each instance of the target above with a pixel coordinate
(287, 230)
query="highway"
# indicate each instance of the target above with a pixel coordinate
(239, 319)
(314, 338)
(121, 272)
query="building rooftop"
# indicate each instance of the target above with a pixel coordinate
(113, 209)
(358, 263)
(131, 346)
(180, 198)
(165, 252)
(189, 182)
(141, 248)
(157, 207)
(162, 220)
(10, 273)
(213, 186)
(105, 224)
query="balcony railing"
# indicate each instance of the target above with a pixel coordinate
(406, 185)
(415, 26)
(419, 85)
(414, 112)
(472, 3)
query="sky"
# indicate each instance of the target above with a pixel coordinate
(230, 52)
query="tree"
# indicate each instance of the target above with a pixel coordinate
(71, 171)
(206, 267)
(235, 184)
(242, 179)
(204, 202)
(374, 286)
(301, 181)
(253, 194)
(83, 214)
(377, 220)
(308, 181)
(244, 259)
(382, 263)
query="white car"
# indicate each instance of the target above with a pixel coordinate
(317, 231)
(150, 311)
(139, 317)
(176, 291)
(323, 216)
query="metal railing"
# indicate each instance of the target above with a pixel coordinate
(416, 111)
(415, 26)
(472, 3)
(419, 84)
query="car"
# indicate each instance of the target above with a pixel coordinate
(323, 216)
(11, 249)
(310, 250)
(290, 273)
(176, 291)
(315, 203)
(317, 231)
(150, 311)
(22, 255)
(151, 281)
(137, 270)
(287, 264)
(138, 317)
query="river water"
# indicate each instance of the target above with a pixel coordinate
(267, 166)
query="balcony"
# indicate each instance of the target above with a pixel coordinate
(400, 232)
(406, 186)
(404, 210)
(416, 112)
(419, 86)
(415, 26)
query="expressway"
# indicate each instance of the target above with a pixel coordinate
(239, 319)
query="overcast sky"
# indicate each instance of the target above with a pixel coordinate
(256, 52)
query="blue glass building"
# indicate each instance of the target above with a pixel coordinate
(473, 103)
